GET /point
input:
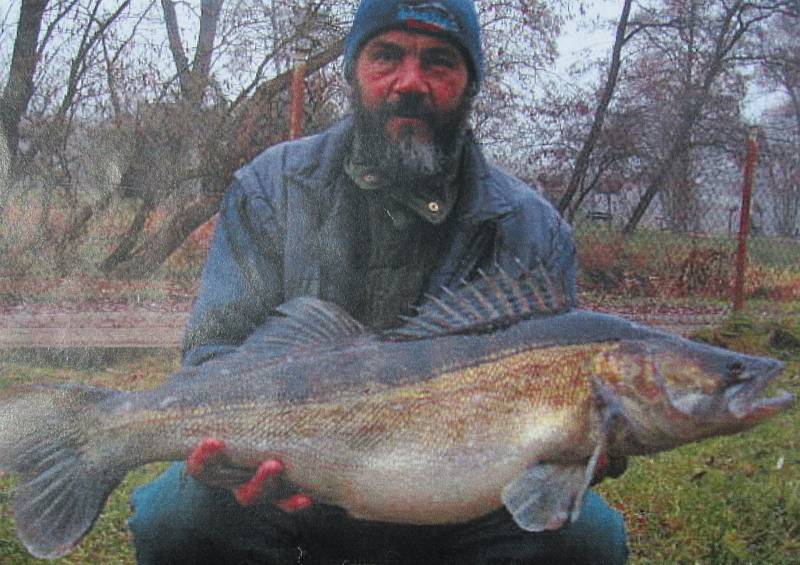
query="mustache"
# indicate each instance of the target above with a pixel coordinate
(410, 105)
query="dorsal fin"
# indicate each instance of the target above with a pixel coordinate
(494, 300)
(307, 323)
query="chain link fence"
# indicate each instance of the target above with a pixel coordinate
(679, 268)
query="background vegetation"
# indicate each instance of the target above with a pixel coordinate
(125, 119)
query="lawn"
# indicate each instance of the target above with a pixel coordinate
(108, 541)
(724, 501)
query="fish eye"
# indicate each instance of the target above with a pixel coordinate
(736, 371)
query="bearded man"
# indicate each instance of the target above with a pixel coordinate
(387, 205)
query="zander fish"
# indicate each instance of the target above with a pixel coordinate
(494, 394)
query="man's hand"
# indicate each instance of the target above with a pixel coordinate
(609, 467)
(209, 463)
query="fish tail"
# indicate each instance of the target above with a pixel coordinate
(49, 438)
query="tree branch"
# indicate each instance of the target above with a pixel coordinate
(176, 45)
(78, 67)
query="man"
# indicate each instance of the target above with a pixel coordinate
(371, 214)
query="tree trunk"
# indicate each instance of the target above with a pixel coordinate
(19, 88)
(678, 147)
(582, 161)
(153, 252)
(193, 79)
(127, 243)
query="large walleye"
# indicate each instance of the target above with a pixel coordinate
(494, 395)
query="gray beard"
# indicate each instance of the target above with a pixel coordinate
(411, 164)
(415, 162)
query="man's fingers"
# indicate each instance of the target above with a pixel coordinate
(209, 463)
(210, 451)
(616, 466)
(607, 466)
(251, 491)
(295, 502)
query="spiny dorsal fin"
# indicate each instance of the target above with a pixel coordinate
(494, 300)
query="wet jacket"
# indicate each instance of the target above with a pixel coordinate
(292, 224)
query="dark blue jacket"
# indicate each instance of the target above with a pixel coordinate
(284, 231)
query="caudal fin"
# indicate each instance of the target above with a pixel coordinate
(46, 438)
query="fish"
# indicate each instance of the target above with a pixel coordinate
(496, 394)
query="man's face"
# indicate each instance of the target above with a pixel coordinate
(413, 82)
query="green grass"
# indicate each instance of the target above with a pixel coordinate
(107, 543)
(781, 253)
(769, 251)
(728, 500)
(731, 500)
(734, 499)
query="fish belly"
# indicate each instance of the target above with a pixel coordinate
(407, 477)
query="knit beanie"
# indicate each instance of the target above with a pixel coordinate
(455, 20)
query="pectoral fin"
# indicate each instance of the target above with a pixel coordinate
(546, 496)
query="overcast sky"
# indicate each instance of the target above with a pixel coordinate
(592, 37)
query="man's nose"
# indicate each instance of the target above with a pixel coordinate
(410, 77)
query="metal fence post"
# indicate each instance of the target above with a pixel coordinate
(298, 93)
(744, 218)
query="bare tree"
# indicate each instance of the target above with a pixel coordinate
(236, 132)
(151, 106)
(779, 63)
(711, 34)
(208, 142)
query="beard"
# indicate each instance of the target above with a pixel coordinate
(405, 161)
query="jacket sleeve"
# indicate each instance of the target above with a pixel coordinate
(242, 278)
(535, 233)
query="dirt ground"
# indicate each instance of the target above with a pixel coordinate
(160, 325)
(93, 325)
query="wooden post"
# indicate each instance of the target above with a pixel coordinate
(744, 218)
(298, 94)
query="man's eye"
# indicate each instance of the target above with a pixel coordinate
(386, 55)
(446, 61)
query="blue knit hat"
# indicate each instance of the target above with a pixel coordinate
(453, 19)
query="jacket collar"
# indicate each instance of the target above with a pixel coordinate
(481, 198)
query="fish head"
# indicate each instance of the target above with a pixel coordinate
(672, 391)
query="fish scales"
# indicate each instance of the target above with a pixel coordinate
(494, 395)
(455, 400)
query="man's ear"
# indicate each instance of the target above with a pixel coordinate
(472, 88)
(350, 88)
(353, 91)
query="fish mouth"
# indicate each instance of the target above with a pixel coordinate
(745, 400)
